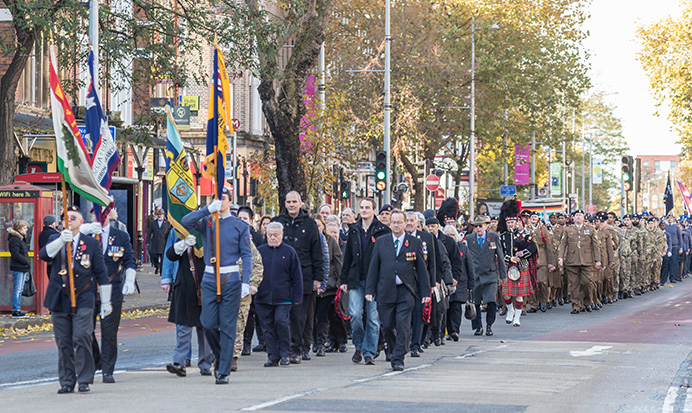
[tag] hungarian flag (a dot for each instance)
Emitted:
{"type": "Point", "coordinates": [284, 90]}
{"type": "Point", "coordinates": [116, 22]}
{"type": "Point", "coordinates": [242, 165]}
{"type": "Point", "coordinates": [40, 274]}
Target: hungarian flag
{"type": "Point", "coordinates": [668, 196]}
{"type": "Point", "coordinates": [181, 195]}
{"type": "Point", "coordinates": [686, 197]}
{"type": "Point", "coordinates": [74, 161]}
{"type": "Point", "coordinates": [217, 123]}
{"type": "Point", "coordinates": [98, 140]}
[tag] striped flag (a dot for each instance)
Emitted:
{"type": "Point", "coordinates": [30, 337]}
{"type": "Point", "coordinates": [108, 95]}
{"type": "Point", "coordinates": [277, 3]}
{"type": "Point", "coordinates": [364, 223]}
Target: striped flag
{"type": "Point", "coordinates": [181, 195]}
{"type": "Point", "coordinates": [98, 140]}
{"type": "Point", "coordinates": [217, 123]}
{"type": "Point", "coordinates": [74, 161]}
{"type": "Point", "coordinates": [686, 197]}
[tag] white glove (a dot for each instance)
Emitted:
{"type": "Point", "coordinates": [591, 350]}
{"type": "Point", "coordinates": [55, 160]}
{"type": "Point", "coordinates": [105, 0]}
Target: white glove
{"type": "Point", "coordinates": [244, 290]}
{"type": "Point", "coordinates": [66, 236]}
{"type": "Point", "coordinates": [106, 307]}
{"type": "Point", "coordinates": [90, 228]}
{"type": "Point", "coordinates": [179, 247]}
{"type": "Point", "coordinates": [215, 206]}
{"type": "Point", "coordinates": [670, 254]}
{"type": "Point", "coordinates": [53, 247]}
{"type": "Point", "coordinates": [190, 241]}
{"type": "Point", "coordinates": [129, 285]}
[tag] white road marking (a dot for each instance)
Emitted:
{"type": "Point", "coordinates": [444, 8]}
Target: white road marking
{"type": "Point", "coordinates": [391, 373]}
{"type": "Point", "coordinates": [669, 402]}
{"type": "Point", "coordinates": [688, 401]}
{"type": "Point", "coordinates": [593, 351]}
{"type": "Point", "coordinates": [37, 382]}
{"type": "Point", "coordinates": [282, 399]}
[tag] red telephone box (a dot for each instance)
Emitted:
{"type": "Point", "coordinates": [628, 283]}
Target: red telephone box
{"type": "Point", "coordinates": [29, 203]}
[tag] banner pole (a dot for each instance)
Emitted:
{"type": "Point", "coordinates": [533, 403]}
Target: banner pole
{"type": "Point", "coordinates": [73, 298]}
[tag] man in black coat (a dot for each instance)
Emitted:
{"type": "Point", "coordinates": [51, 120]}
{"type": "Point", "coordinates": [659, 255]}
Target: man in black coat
{"type": "Point", "coordinates": [121, 270]}
{"type": "Point", "coordinates": [430, 253]}
{"type": "Point", "coordinates": [156, 239]}
{"type": "Point", "coordinates": [72, 328]}
{"type": "Point", "coordinates": [461, 294]}
{"type": "Point", "coordinates": [397, 277]}
{"type": "Point", "coordinates": [300, 232]}
{"type": "Point", "coordinates": [448, 247]}
{"type": "Point", "coordinates": [49, 229]}
{"type": "Point", "coordinates": [354, 272]}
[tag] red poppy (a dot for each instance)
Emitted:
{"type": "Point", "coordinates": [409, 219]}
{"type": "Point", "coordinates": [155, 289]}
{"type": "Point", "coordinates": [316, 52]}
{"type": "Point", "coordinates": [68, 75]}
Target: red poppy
{"type": "Point", "coordinates": [406, 243]}
{"type": "Point", "coordinates": [372, 239]}
{"type": "Point", "coordinates": [83, 248]}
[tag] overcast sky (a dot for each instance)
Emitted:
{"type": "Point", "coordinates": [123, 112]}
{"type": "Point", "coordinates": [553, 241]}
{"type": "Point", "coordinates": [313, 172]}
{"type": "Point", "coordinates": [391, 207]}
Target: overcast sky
{"type": "Point", "coordinates": [615, 69]}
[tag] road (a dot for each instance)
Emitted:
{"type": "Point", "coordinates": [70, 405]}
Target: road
{"type": "Point", "coordinates": [633, 356]}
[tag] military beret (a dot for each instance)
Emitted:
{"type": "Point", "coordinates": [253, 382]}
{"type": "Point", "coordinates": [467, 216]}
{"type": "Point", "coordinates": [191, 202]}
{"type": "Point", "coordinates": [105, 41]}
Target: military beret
{"type": "Point", "coordinates": [386, 207]}
{"type": "Point", "coordinates": [627, 216]}
{"type": "Point", "coordinates": [578, 211]}
{"type": "Point", "coordinates": [651, 219]}
{"type": "Point", "coordinates": [526, 213]}
{"type": "Point", "coordinates": [74, 208]}
{"type": "Point", "coordinates": [227, 192]}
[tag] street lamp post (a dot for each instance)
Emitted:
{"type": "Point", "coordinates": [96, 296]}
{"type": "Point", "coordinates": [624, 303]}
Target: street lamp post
{"type": "Point", "coordinates": [387, 104]}
{"type": "Point", "coordinates": [472, 143]}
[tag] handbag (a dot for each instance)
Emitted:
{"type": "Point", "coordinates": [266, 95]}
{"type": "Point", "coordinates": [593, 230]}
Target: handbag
{"type": "Point", "coordinates": [29, 288]}
{"type": "Point", "coordinates": [470, 310]}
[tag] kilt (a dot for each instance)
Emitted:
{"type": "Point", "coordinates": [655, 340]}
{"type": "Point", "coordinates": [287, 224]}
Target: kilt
{"type": "Point", "coordinates": [519, 288]}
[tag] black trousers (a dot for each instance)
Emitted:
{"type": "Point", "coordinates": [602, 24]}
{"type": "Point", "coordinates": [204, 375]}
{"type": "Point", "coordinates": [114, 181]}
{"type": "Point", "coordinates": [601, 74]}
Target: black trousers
{"type": "Point", "coordinates": [322, 305]}
{"type": "Point", "coordinates": [73, 337]}
{"type": "Point", "coordinates": [106, 358]}
{"type": "Point", "coordinates": [277, 329]}
{"type": "Point", "coordinates": [396, 323]}
{"type": "Point", "coordinates": [337, 328]}
{"type": "Point", "coordinates": [417, 326]}
{"type": "Point", "coordinates": [302, 322]}
{"type": "Point", "coordinates": [454, 316]}
{"type": "Point", "coordinates": [476, 323]}
{"type": "Point", "coordinates": [252, 325]}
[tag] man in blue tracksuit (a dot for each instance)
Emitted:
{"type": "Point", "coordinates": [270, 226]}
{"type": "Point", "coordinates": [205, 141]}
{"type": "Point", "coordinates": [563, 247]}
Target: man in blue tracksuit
{"type": "Point", "coordinates": [219, 318]}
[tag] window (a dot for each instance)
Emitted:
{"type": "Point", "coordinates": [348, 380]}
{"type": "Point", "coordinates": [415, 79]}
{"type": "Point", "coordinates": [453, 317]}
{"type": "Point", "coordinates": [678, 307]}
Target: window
{"type": "Point", "coordinates": [646, 164]}
{"type": "Point", "coordinates": [657, 165]}
{"type": "Point", "coordinates": [672, 164]}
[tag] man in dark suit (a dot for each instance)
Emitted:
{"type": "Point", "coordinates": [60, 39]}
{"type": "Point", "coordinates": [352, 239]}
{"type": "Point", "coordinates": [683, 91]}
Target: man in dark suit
{"type": "Point", "coordinates": [121, 270]}
{"type": "Point", "coordinates": [396, 278]}
{"type": "Point", "coordinates": [488, 260]}
{"type": "Point", "coordinates": [72, 328]}
{"type": "Point", "coordinates": [448, 248]}
{"type": "Point", "coordinates": [156, 238]}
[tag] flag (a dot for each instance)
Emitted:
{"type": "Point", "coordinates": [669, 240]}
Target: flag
{"type": "Point", "coordinates": [73, 159]}
{"type": "Point", "coordinates": [686, 197]}
{"type": "Point", "coordinates": [98, 140]}
{"type": "Point", "coordinates": [181, 195]}
{"type": "Point", "coordinates": [218, 121]}
{"type": "Point", "coordinates": [668, 196]}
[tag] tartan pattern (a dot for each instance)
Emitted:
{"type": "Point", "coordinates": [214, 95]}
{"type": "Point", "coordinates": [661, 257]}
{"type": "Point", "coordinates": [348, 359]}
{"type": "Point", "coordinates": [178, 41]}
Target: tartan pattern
{"type": "Point", "coordinates": [519, 288]}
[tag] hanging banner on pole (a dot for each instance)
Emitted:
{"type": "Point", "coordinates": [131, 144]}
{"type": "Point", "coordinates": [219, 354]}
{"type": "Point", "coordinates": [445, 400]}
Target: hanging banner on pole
{"type": "Point", "coordinates": [522, 164]}
{"type": "Point", "coordinates": [597, 171]}
{"type": "Point", "coordinates": [556, 179]}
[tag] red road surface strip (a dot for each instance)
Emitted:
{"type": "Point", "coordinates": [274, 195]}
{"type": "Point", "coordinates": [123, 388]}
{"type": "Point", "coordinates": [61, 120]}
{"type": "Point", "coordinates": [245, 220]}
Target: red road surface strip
{"type": "Point", "coordinates": [128, 328]}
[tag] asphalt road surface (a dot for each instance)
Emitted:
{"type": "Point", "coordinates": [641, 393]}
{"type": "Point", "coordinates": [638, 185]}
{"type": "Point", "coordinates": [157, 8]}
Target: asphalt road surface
{"type": "Point", "coordinates": [633, 356]}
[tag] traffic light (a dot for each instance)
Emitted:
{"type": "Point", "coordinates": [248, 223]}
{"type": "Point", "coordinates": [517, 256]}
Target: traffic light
{"type": "Point", "coordinates": [627, 172]}
{"type": "Point", "coordinates": [345, 190]}
{"type": "Point", "coordinates": [381, 170]}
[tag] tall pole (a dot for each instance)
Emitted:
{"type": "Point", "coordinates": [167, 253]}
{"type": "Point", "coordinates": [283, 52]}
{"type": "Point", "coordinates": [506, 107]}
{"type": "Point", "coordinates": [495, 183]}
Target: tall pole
{"type": "Point", "coordinates": [533, 165]}
{"type": "Point", "coordinates": [583, 170]}
{"type": "Point", "coordinates": [563, 185]}
{"type": "Point", "coordinates": [472, 135]}
{"type": "Point", "coordinates": [591, 168]}
{"type": "Point", "coordinates": [387, 104]}
{"type": "Point", "coordinates": [94, 37]}
{"type": "Point", "coordinates": [322, 86]}
{"type": "Point", "coordinates": [550, 169]}
{"type": "Point", "coordinates": [505, 166]}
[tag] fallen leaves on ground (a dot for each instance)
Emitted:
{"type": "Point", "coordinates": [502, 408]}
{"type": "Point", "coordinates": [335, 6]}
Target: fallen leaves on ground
{"type": "Point", "coordinates": [15, 333]}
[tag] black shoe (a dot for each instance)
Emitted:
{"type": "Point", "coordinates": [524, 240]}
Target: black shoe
{"type": "Point", "coordinates": [19, 314]}
{"type": "Point", "coordinates": [306, 356]}
{"type": "Point", "coordinates": [637, 291]}
{"type": "Point", "coordinates": [108, 378]}
{"type": "Point", "coordinates": [532, 310]}
{"type": "Point", "coordinates": [574, 311]}
{"type": "Point", "coordinates": [442, 343]}
{"type": "Point", "coordinates": [188, 363]}
{"type": "Point", "coordinates": [369, 361]}
{"type": "Point", "coordinates": [357, 356]}
{"type": "Point", "coordinates": [455, 336]}
{"type": "Point", "coordinates": [65, 390]}
{"type": "Point", "coordinates": [588, 308]}
{"type": "Point", "coordinates": [560, 301]}
{"type": "Point", "coordinates": [205, 372]}
{"type": "Point", "coordinates": [542, 308]}
{"type": "Point", "coordinates": [438, 342]}
{"type": "Point", "coordinates": [320, 351]}
{"type": "Point", "coordinates": [176, 369]}
{"type": "Point", "coordinates": [294, 359]}
{"type": "Point", "coordinates": [246, 351]}
{"type": "Point", "coordinates": [387, 357]}
{"type": "Point", "coordinates": [342, 348]}
{"type": "Point", "coordinates": [549, 306]}
{"type": "Point", "coordinates": [488, 331]}
{"type": "Point", "coordinates": [222, 379]}
{"type": "Point", "coordinates": [399, 366]}
{"type": "Point", "coordinates": [259, 347]}
{"type": "Point", "coordinates": [478, 332]}
{"type": "Point", "coordinates": [503, 311]}
{"type": "Point", "coordinates": [234, 364]}
{"type": "Point", "coordinates": [285, 361]}
{"type": "Point", "coordinates": [275, 363]}
{"type": "Point", "coordinates": [415, 353]}
{"type": "Point", "coordinates": [83, 387]}
{"type": "Point", "coordinates": [673, 281]}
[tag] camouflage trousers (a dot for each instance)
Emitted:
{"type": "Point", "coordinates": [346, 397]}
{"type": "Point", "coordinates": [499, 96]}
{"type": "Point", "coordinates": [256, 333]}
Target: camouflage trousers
{"type": "Point", "coordinates": [242, 321]}
{"type": "Point", "coordinates": [648, 278]}
{"type": "Point", "coordinates": [637, 272]}
{"type": "Point", "coordinates": [626, 274]}
{"type": "Point", "coordinates": [657, 270]}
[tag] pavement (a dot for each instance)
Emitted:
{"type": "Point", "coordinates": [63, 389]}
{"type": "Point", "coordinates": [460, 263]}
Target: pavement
{"type": "Point", "coordinates": [150, 296]}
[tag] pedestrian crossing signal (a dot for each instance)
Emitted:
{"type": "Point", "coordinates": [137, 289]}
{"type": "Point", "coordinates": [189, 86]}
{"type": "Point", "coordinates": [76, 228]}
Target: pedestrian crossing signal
{"type": "Point", "coordinates": [345, 190]}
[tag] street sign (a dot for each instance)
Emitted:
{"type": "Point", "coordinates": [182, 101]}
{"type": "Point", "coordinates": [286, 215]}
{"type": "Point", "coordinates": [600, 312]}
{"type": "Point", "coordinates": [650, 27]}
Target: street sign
{"type": "Point", "coordinates": [235, 123]}
{"type": "Point", "coordinates": [508, 190]}
{"type": "Point", "coordinates": [591, 209]}
{"type": "Point", "coordinates": [364, 166]}
{"type": "Point", "coordinates": [543, 192]}
{"type": "Point", "coordinates": [82, 131]}
{"type": "Point", "coordinates": [432, 182]}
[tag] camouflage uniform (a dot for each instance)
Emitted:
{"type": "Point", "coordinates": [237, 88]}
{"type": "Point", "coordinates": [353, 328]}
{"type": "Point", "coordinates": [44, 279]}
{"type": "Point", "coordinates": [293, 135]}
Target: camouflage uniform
{"type": "Point", "coordinates": [661, 249]}
{"type": "Point", "coordinates": [627, 250]}
{"type": "Point", "coordinates": [638, 257]}
{"type": "Point", "coordinates": [650, 245]}
{"type": "Point", "coordinates": [616, 234]}
{"type": "Point", "coordinates": [255, 280]}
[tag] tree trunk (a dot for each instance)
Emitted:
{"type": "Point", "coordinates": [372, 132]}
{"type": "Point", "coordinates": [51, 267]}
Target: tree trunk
{"type": "Point", "coordinates": [417, 188]}
{"type": "Point", "coordinates": [8, 89]}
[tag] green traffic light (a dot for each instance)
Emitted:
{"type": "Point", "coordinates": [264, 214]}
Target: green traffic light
{"type": "Point", "coordinates": [626, 177]}
{"type": "Point", "coordinates": [380, 175]}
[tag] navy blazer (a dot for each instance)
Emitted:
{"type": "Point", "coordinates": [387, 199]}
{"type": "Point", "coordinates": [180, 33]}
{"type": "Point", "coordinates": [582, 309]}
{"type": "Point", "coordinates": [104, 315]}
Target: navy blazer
{"type": "Point", "coordinates": [89, 269]}
{"type": "Point", "coordinates": [409, 265]}
{"type": "Point", "coordinates": [119, 251]}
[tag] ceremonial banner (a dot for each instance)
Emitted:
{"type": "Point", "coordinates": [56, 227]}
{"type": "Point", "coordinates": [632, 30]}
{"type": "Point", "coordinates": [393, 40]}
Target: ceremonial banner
{"type": "Point", "coordinates": [522, 164]}
{"type": "Point", "coordinates": [556, 179]}
{"type": "Point", "coordinates": [686, 197]}
{"type": "Point", "coordinates": [596, 171]}
{"type": "Point", "coordinates": [74, 161]}
{"type": "Point", "coordinates": [668, 196]}
{"type": "Point", "coordinates": [181, 195]}
{"type": "Point", "coordinates": [219, 115]}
